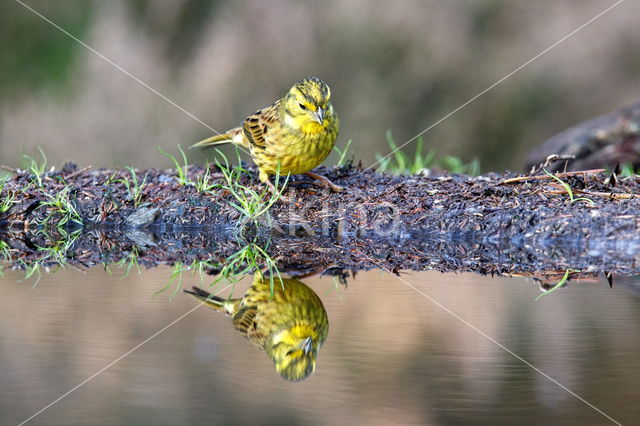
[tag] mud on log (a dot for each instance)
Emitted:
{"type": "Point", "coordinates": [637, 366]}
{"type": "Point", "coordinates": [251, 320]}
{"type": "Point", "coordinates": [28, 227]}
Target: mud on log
{"type": "Point", "coordinates": [496, 223]}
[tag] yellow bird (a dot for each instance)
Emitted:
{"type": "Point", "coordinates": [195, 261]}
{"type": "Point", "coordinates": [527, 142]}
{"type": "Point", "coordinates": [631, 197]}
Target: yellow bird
{"type": "Point", "coordinates": [290, 325]}
{"type": "Point", "coordinates": [293, 135]}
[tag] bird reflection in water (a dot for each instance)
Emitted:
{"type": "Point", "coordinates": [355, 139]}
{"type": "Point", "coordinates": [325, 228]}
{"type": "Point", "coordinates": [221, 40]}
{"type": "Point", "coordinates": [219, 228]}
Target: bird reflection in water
{"type": "Point", "coordinates": [290, 325]}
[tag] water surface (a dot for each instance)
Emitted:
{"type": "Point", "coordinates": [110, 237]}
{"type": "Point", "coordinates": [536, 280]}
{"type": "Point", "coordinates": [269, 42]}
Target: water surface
{"type": "Point", "coordinates": [392, 356]}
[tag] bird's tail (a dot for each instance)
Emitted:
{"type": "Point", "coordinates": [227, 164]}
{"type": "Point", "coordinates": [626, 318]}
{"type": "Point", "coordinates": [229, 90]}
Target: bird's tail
{"type": "Point", "coordinates": [231, 136]}
{"type": "Point", "coordinates": [227, 306]}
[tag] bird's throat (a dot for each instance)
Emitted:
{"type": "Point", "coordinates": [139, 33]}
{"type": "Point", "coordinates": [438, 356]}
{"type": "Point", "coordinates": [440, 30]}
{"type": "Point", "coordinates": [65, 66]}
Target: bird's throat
{"type": "Point", "coordinates": [312, 128]}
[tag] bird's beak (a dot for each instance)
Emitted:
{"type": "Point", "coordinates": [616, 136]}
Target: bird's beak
{"type": "Point", "coordinates": [307, 345]}
{"type": "Point", "coordinates": [318, 115]}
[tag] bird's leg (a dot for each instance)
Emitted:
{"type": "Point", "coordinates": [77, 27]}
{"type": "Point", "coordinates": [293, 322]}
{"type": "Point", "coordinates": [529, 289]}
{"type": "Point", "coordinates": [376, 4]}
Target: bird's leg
{"type": "Point", "coordinates": [270, 186]}
{"type": "Point", "coordinates": [324, 182]}
{"type": "Point", "coordinates": [264, 178]}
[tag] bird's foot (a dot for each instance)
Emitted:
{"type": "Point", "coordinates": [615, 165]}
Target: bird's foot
{"type": "Point", "coordinates": [273, 190]}
{"type": "Point", "coordinates": [324, 182]}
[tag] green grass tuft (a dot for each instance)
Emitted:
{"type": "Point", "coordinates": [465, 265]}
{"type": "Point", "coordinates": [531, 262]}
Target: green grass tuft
{"type": "Point", "coordinates": [60, 204]}
{"type": "Point", "coordinates": [181, 169]}
{"type": "Point", "coordinates": [176, 275]}
{"type": "Point", "coordinates": [5, 256]}
{"type": "Point", "coordinates": [627, 170]}
{"type": "Point", "coordinates": [251, 204]}
{"type": "Point", "coordinates": [560, 283]}
{"type": "Point", "coordinates": [128, 263]}
{"type": "Point", "coordinates": [251, 258]}
{"type": "Point", "coordinates": [32, 270]}
{"type": "Point", "coordinates": [400, 163]}
{"type": "Point", "coordinates": [343, 154]}
{"type": "Point", "coordinates": [134, 187]}
{"type": "Point", "coordinates": [198, 267]}
{"type": "Point", "coordinates": [567, 188]}
{"type": "Point", "coordinates": [58, 249]}
{"type": "Point", "coordinates": [6, 200]}
{"type": "Point", "coordinates": [203, 184]}
{"type": "Point", "coordinates": [37, 169]}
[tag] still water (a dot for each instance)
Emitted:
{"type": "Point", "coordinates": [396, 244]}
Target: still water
{"type": "Point", "coordinates": [392, 356]}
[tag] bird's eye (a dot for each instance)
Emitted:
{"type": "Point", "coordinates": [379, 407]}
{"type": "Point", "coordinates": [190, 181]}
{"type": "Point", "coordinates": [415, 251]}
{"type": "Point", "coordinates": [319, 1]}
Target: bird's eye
{"type": "Point", "coordinates": [302, 107]}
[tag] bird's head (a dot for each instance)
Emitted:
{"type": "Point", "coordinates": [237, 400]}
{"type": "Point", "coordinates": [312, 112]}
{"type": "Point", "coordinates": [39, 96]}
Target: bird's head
{"type": "Point", "coordinates": [307, 106]}
{"type": "Point", "coordinates": [294, 353]}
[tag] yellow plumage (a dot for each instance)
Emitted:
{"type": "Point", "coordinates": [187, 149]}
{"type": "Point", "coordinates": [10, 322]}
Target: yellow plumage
{"type": "Point", "coordinates": [290, 325]}
{"type": "Point", "coordinates": [293, 135]}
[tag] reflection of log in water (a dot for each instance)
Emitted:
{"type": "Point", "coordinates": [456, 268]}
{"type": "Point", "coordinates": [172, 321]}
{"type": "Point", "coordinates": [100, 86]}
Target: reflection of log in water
{"type": "Point", "coordinates": [459, 252]}
{"type": "Point", "coordinates": [287, 321]}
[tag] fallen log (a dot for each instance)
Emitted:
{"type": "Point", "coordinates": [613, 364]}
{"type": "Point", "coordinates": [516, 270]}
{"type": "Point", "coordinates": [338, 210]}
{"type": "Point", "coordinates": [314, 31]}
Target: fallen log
{"type": "Point", "coordinates": [496, 223]}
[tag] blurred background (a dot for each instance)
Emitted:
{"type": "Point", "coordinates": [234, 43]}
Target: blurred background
{"type": "Point", "coordinates": [392, 65]}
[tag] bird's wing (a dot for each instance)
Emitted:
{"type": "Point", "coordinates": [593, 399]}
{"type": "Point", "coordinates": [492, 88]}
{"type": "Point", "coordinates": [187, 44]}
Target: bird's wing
{"type": "Point", "coordinates": [244, 322]}
{"type": "Point", "coordinates": [258, 124]}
